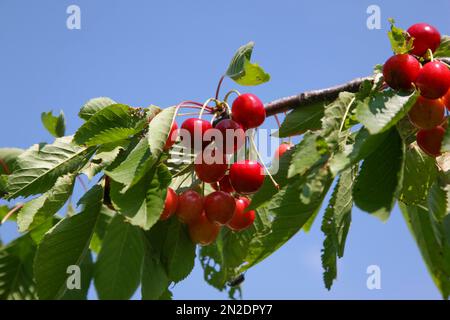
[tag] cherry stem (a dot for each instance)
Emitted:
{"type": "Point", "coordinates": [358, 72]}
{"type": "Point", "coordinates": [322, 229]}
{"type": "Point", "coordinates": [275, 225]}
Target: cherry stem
{"type": "Point", "coordinates": [276, 185]}
{"type": "Point", "coordinates": [230, 93]}
{"type": "Point", "coordinates": [277, 120]}
{"type": "Point", "coordinates": [218, 86]}
{"type": "Point", "coordinates": [4, 166]}
{"type": "Point", "coordinates": [10, 213]}
{"type": "Point", "coordinates": [188, 114]}
{"type": "Point", "coordinates": [205, 106]}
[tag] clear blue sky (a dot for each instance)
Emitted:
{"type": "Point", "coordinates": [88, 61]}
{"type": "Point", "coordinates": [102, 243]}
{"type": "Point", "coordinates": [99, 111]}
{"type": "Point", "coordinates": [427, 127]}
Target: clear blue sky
{"type": "Point", "coordinates": [161, 52]}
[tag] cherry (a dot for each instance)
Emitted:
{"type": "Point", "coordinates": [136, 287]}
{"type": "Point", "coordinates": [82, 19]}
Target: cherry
{"type": "Point", "coordinates": [427, 113]}
{"type": "Point", "coordinates": [430, 140]}
{"type": "Point", "coordinates": [446, 100]}
{"type": "Point", "coordinates": [233, 135]}
{"type": "Point", "coordinates": [210, 168]}
{"type": "Point", "coordinates": [225, 184]}
{"type": "Point", "coordinates": [170, 204]}
{"type": "Point", "coordinates": [203, 231]}
{"type": "Point", "coordinates": [172, 136]}
{"type": "Point", "coordinates": [241, 220]}
{"type": "Point", "coordinates": [219, 207]}
{"type": "Point", "coordinates": [433, 80]}
{"type": "Point", "coordinates": [425, 37]}
{"type": "Point", "coordinates": [196, 129]}
{"type": "Point", "coordinates": [190, 206]}
{"type": "Point", "coordinates": [248, 110]}
{"type": "Point", "coordinates": [282, 148]}
{"type": "Point", "coordinates": [246, 176]}
{"type": "Point", "coordinates": [400, 71]}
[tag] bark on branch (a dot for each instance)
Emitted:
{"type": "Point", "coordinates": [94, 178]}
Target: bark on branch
{"type": "Point", "coordinates": [322, 95]}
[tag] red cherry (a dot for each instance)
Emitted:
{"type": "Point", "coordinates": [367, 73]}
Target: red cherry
{"type": "Point", "coordinates": [190, 206]}
{"type": "Point", "coordinates": [233, 136]}
{"type": "Point", "coordinates": [433, 80]}
{"type": "Point", "coordinates": [446, 100]}
{"type": "Point", "coordinates": [425, 37]}
{"type": "Point", "coordinates": [210, 168]}
{"type": "Point", "coordinates": [247, 176]}
{"type": "Point", "coordinates": [241, 220]}
{"type": "Point", "coordinates": [172, 136]}
{"type": "Point", "coordinates": [282, 148]}
{"type": "Point", "coordinates": [203, 231]}
{"type": "Point", "coordinates": [430, 140]}
{"type": "Point", "coordinates": [248, 110]}
{"type": "Point", "coordinates": [225, 184]}
{"type": "Point", "coordinates": [426, 113]}
{"type": "Point", "coordinates": [170, 204]}
{"type": "Point", "coordinates": [219, 207]}
{"type": "Point", "coordinates": [400, 71]}
{"type": "Point", "coordinates": [196, 129]}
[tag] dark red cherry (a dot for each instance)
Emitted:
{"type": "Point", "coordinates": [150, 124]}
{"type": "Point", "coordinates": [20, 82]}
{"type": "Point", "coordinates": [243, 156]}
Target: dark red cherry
{"type": "Point", "coordinates": [246, 176]}
{"type": "Point", "coordinates": [282, 148]}
{"type": "Point", "coordinates": [196, 128]}
{"type": "Point", "coordinates": [210, 167]}
{"type": "Point", "coordinates": [433, 80]}
{"type": "Point", "coordinates": [430, 140]}
{"type": "Point", "coordinates": [400, 71]}
{"type": "Point", "coordinates": [233, 136]}
{"type": "Point", "coordinates": [241, 219]}
{"type": "Point", "coordinates": [219, 207]}
{"type": "Point", "coordinates": [248, 110]}
{"type": "Point", "coordinates": [427, 113]}
{"type": "Point", "coordinates": [190, 206]}
{"type": "Point", "coordinates": [425, 37]}
{"type": "Point", "coordinates": [225, 184]}
{"type": "Point", "coordinates": [170, 204]}
{"type": "Point", "coordinates": [202, 231]}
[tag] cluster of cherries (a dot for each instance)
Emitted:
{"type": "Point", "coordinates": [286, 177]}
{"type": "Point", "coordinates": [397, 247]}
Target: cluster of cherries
{"type": "Point", "coordinates": [418, 69]}
{"type": "Point", "coordinates": [226, 206]}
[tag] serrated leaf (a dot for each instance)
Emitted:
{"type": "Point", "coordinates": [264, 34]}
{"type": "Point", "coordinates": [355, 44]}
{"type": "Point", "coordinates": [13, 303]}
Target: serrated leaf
{"type": "Point", "coordinates": [159, 129]}
{"type": "Point", "coordinates": [418, 175]}
{"type": "Point", "coordinates": [401, 42]}
{"type": "Point", "coordinates": [106, 154]}
{"type": "Point", "coordinates": [8, 159]}
{"type": "Point", "coordinates": [335, 225]}
{"type": "Point", "coordinates": [154, 277]}
{"type": "Point", "coordinates": [113, 123]}
{"type": "Point", "coordinates": [40, 209]}
{"type": "Point", "coordinates": [243, 71]}
{"type": "Point", "coordinates": [439, 199]}
{"type": "Point", "coordinates": [38, 168]}
{"type": "Point", "coordinates": [143, 203]}
{"type": "Point", "coordinates": [66, 244]}
{"type": "Point", "coordinates": [118, 267]}
{"type": "Point", "coordinates": [16, 270]}
{"type": "Point", "coordinates": [383, 110]}
{"type": "Point", "coordinates": [93, 106]}
{"type": "Point", "coordinates": [443, 50]}
{"type": "Point", "coordinates": [380, 177]}
{"type": "Point", "coordinates": [301, 119]}
{"type": "Point", "coordinates": [103, 222]}
{"type": "Point", "coordinates": [55, 125]}
{"type": "Point", "coordinates": [86, 272]}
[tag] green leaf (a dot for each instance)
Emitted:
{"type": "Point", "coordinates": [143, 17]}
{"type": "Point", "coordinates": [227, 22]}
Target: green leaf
{"type": "Point", "coordinates": [383, 110]}
{"type": "Point", "coordinates": [143, 203]}
{"type": "Point", "coordinates": [93, 106]}
{"type": "Point", "coordinates": [55, 125]}
{"type": "Point", "coordinates": [243, 71]}
{"type": "Point", "coordinates": [66, 244]}
{"type": "Point", "coordinates": [39, 210]}
{"type": "Point", "coordinates": [16, 270]}
{"type": "Point", "coordinates": [118, 267]}
{"type": "Point", "coordinates": [301, 119]}
{"type": "Point", "coordinates": [439, 199]}
{"type": "Point", "coordinates": [445, 147]}
{"type": "Point", "coordinates": [38, 168]}
{"type": "Point", "coordinates": [419, 173]}
{"type": "Point", "coordinates": [159, 129]}
{"type": "Point", "coordinates": [8, 159]}
{"type": "Point", "coordinates": [435, 250]}
{"type": "Point", "coordinates": [380, 178]}
{"type": "Point", "coordinates": [113, 123]}
{"type": "Point", "coordinates": [401, 42]}
{"type": "Point", "coordinates": [87, 270]}
{"type": "Point", "coordinates": [105, 156]}
{"type": "Point", "coordinates": [444, 48]}
{"type": "Point", "coordinates": [335, 225]}
{"type": "Point", "coordinates": [103, 222]}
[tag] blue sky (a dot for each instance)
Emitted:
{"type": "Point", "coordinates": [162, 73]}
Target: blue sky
{"type": "Point", "coordinates": [162, 52]}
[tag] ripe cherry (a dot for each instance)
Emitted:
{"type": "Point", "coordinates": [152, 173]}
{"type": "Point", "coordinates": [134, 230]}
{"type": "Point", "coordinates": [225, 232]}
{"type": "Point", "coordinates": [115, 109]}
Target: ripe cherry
{"type": "Point", "coordinates": [170, 204]}
{"type": "Point", "coordinates": [430, 140]}
{"type": "Point", "coordinates": [282, 148]}
{"type": "Point", "coordinates": [248, 110]}
{"type": "Point", "coordinates": [400, 71]}
{"type": "Point", "coordinates": [203, 231]}
{"type": "Point", "coordinates": [241, 219]}
{"type": "Point", "coordinates": [196, 129]}
{"type": "Point", "coordinates": [172, 136]}
{"type": "Point", "coordinates": [210, 168]}
{"type": "Point", "coordinates": [190, 206]}
{"type": "Point", "coordinates": [246, 176]}
{"type": "Point", "coordinates": [433, 80]}
{"type": "Point", "coordinates": [225, 184]}
{"type": "Point", "coordinates": [219, 207]}
{"type": "Point", "coordinates": [427, 113]}
{"type": "Point", "coordinates": [233, 136]}
{"type": "Point", "coordinates": [425, 37]}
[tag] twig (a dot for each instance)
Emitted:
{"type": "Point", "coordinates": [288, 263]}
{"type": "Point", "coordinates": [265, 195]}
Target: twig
{"type": "Point", "coordinates": [5, 166]}
{"type": "Point", "coordinates": [10, 213]}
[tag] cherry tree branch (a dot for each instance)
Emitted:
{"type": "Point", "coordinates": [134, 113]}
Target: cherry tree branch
{"type": "Point", "coordinates": [321, 95]}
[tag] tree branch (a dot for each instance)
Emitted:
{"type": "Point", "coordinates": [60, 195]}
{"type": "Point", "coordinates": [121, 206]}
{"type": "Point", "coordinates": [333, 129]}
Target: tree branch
{"type": "Point", "coordinates": [322, 95]}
